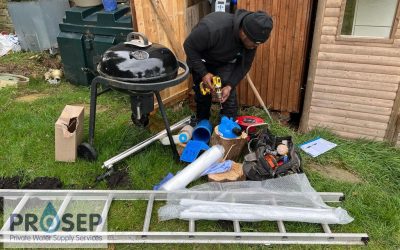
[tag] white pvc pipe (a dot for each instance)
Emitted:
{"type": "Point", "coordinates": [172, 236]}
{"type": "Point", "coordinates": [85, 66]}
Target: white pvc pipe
{"type": "Point", "coordinates": [209, 210]}
{"type": "Point", "coordinates": [194, 170]}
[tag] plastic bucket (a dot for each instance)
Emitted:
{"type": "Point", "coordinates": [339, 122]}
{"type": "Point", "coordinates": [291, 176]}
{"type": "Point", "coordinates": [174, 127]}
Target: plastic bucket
{"type": "Point", "coordinates": [109, 5]}
{"type": "Point", "coordinates": [202, 132]}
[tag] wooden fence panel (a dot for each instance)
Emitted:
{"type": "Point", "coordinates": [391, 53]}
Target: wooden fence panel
{"type": "Point", "coordinates": [183, 15]}
{"type": "Point", "coordinates": [278, 68]}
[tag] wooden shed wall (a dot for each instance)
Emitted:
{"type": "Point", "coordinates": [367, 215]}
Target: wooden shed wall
{"type": "Point", "coordinates": [278, 68]}
{"type": "Point", "coordinates": [353, 85]}
{"type": "Point", "coordinates": [183, 15]}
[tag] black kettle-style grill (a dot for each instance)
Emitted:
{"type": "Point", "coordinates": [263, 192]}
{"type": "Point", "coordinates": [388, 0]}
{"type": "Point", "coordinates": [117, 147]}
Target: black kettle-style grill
{"type": "Point", "coordinates": [140, 69]}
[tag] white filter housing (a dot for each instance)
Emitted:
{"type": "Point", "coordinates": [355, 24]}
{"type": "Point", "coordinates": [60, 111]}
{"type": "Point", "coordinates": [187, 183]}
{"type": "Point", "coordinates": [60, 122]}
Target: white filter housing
{"type": "Point", "coordinates": [194, 170]}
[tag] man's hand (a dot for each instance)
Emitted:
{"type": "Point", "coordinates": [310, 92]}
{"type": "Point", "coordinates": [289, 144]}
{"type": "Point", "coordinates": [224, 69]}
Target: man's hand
{"type": "Point", "coordinates": [226, 91]}
{"type": "Point", "coordinates": [207, 79]}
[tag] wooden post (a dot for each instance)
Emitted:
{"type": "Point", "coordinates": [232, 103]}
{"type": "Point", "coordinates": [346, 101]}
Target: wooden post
{"type": "Point", "coordinates": [313, 66]}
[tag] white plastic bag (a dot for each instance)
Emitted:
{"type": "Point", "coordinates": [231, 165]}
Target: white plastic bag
{"type": "Point", "coordinates": [8, 43]}
{"type": "Point", "coordinates": [289, 198]}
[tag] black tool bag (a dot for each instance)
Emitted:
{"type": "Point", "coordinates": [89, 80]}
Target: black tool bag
{"type": "Point", "coordinates": [262, 161]}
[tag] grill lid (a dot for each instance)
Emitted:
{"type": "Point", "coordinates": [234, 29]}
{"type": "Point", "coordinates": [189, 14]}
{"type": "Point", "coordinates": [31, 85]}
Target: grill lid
{"type": "Point", "coordinates": [139, 61]}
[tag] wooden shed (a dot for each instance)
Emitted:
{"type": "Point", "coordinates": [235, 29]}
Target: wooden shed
{"type": "Point", "coordinates": [354, 75]}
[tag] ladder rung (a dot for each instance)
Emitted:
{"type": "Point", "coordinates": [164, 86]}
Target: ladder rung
{"type": "Point", "coordinates": [149, 210]}
{"type": "Point", "coordinates": [281, 226]}
{"type": "Point", "coordinates": [104, 213]}
{"type": "Point", "coordinates": [236, 226]}
{"type": "Point", "coordinates": [17, 210]}
{"type": "Point", "coordinates": [60, 212]}
{"type": "Point", "coordinates": [326, 228]}
{"type": "Point", "coordinates": [192, 226]}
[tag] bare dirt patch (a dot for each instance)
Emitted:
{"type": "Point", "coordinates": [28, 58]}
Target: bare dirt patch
{"type": "Point", "coordinates": [31, 66]}
{"type": "Point", "coordinates": [336, 173]}
{"type": "Point", "coordinates": [30, 98]}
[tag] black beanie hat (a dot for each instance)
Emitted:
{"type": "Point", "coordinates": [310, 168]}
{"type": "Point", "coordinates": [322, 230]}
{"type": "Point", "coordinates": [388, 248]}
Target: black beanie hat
{"type": "Point", "coordinates": [257, 26]}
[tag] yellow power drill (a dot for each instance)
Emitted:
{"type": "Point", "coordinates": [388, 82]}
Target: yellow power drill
{"type": "Point", "coordinates": [217, 84]}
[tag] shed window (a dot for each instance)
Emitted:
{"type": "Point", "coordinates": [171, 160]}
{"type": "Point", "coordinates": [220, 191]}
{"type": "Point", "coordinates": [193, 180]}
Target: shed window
{"type": "Point", "coordinates": [369, 18]}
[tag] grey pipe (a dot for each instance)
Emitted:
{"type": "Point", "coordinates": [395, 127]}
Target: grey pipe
{"type": "Point", "coordinates": [109, 163]}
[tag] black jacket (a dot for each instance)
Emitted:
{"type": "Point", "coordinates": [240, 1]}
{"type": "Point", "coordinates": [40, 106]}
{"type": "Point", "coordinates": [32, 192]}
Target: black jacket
{"type": "Point", "coordinates": [215, 39]}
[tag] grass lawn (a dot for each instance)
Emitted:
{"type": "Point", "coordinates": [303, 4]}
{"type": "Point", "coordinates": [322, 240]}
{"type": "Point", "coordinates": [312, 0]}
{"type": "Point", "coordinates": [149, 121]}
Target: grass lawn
{"type": "Point", "coordinates": [367, 172]}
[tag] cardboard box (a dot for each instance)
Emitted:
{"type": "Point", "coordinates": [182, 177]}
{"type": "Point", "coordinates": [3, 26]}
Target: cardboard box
{"type": "Point", "coordinates": [68, 133]}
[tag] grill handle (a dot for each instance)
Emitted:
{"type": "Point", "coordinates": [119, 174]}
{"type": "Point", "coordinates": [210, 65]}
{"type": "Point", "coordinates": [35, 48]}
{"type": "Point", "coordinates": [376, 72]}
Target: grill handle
{"type": "Point", "coordinates": [131, 36]}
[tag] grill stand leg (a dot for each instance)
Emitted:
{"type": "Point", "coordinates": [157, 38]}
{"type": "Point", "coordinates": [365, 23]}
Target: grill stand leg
{"type": "Point", "coordinates": [86, 150]}
{"type": "Point", "coordinates": [164, 116]}
{"type": "Point", "coordinates": [92, 116]}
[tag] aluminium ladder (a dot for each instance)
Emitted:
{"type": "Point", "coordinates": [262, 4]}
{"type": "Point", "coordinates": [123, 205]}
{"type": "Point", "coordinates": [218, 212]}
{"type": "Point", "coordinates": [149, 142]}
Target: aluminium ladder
{"type": "Point", "coordinates": [191, 236]}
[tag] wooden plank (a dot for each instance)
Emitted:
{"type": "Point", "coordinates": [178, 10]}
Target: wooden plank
{"type": "Point", "coordinates": [356, 136]}
{"type": "Point", "coordinates": [348, 121]}
{"type": "Point", "coordinates": [168, 28]}
{"type": "Point", "coordinates": [253, 71]}
{"type": "Point", "coordinates": [304, 41]}
{"type": "Point", "coordinates": [139, 14]}
{"type": "Point", "coordinates": [292, 9]}
{"type": "Point", "coordinates": [341, 17]}
{"type": "Point", "coordinates": [397, 34]}
{"type": "Point", "coordinates": [357, 67]}
{"type": "Point", "coordinates": [328, 39]}
{"type": "Point", "coordinates": [266, 60]}
{"type": "Point", "coordinates": [355, 92]}
{"type": "Point", "coordinates": [350, 83]}
{"type": "Point", "coordinates": [353, 99]}
{"type": "Point", "coordinates": [330, 21]}
{"type": "Point", "coordinates": [370, 109]}
{"type": "Point", "coordinates": [360, 59]}
{"type": "Point", "coordinates": [257, 5]}
{"type": "Point", "coordinates": [362, 131]}
{"type": "Point", "coordinates": [192, 17]}
{"type": "Point", "coordinates": [332, 12]}
{"type": "Point", "coordinates": [367, 42]}
{"type": "Point", "coordinates": [134, 18]}
{"type": "Point", "coordinates": [360, 50]}
{"type": "Point", "coordinates": [298, 56]}
{"type": "Point", "coordinates": [282, 26]}
{"type": "Point", "coordinates": [273, 55]}
{"type": "Point", "coordinates": [345, 74]}
{"type": "Point", "coordinates": [333, 3]}
{"type": "Point", "coordinates": [329, 30]}
{"type": "Point", "coordinates": [243, 85]}
{"type": "Point", "coordinates": [396, 20]}
{"type": "Point", "coordinates": [350, 114]}
{"type": "Point", "coordinates": [304, 121]}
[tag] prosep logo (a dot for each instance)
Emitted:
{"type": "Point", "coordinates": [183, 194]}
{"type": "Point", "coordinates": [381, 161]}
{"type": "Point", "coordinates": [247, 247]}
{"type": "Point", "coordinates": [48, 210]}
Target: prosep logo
{"type": "Point", "coordinates": [50, 222]}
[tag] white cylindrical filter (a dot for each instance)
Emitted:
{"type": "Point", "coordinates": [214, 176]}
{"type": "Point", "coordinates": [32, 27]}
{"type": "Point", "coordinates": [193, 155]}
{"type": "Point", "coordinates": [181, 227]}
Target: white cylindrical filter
{"type": "Point", "coordinates": [185, 134]}
{"type": "Point", "coordinates": [194, 170]}
{"type": "Point", "coordinates": [165, 140]}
